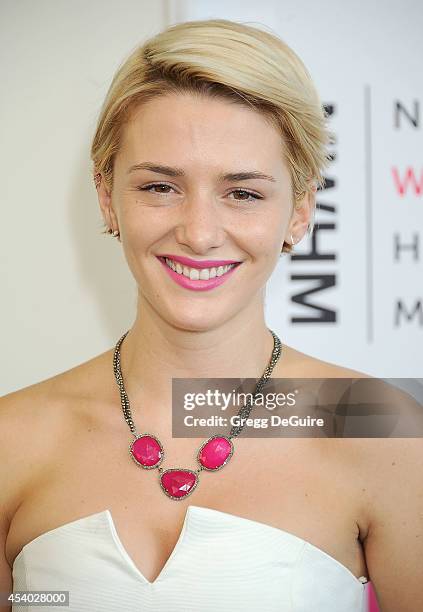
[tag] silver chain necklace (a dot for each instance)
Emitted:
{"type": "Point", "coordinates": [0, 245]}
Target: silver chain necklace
{"type": "Point", "coordinates": [147, 451]}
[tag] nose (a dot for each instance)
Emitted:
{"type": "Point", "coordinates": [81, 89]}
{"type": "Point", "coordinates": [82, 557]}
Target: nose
{"type": "Point", "coordinates": [200, 225]}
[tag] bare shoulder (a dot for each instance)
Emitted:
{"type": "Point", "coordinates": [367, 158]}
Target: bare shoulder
{"type": "Point", "coordinates": [297, 364]}
{"type": "Point", "coordinates": [373, 453]}
{"type": "Point", "coordinates": [29, 421]}
{"type": "Point", "coordinates": [405, 410]}
{"type": "Point", "coordinates": [34, 422]}
{"type": "Point", "coordinates": [29, 410]}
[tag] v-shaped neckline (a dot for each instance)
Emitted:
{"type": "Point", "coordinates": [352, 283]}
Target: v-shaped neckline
{"type": "Point", "coordinates": [127, 556]}
{"type": "Point", "coordinates": [190, 508]}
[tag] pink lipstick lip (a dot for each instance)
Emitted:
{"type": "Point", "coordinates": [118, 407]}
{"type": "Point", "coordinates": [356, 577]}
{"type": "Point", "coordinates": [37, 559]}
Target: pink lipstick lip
{"type": "Point", "coordinates": [197, 285]}
{"type": "Point", "coordinates": [194, 263]}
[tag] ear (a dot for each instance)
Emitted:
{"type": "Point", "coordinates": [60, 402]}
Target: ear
{"type": "Point", "coordinates": [105, 202]}
{"type": "Point", "coordinates": [301, 216]}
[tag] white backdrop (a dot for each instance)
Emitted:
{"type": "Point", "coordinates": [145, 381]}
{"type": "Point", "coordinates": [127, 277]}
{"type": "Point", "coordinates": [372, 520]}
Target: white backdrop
{"type": "Point", "coordinates": [66, 291]}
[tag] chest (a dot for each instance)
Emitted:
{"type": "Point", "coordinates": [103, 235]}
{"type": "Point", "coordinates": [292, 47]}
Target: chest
{"type": "Point", "coordinates": [291, 485]}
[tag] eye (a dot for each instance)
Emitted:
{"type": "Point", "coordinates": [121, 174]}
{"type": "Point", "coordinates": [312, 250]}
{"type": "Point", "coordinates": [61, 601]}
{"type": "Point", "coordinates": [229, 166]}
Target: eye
{"type": "Point", "coordinates": [150, 187]}
{"type": "Point", "coordinates": [252, 196]}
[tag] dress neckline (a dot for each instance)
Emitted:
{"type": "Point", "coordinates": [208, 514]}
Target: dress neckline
{"type": "Point", "coordinates": [190, 510]}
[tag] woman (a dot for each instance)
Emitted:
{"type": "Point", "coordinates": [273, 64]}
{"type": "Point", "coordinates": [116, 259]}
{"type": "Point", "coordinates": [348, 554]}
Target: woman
{"type": "Point", "coordinates": [207, 155]}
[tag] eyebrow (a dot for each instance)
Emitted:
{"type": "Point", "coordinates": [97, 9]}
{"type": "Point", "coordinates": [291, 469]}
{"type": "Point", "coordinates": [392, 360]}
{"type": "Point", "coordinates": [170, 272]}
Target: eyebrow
{"type": "Point", "coordinates": [228, 176]}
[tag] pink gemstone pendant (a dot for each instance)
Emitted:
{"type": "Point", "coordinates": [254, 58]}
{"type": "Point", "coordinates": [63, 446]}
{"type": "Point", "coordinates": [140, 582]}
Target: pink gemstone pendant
{"type": "Point", "coordinates": [147, 451]}
{"type": "Point", "coordinates": [215, 453]}
{"type": "Point", "coordinates": [177, 483]}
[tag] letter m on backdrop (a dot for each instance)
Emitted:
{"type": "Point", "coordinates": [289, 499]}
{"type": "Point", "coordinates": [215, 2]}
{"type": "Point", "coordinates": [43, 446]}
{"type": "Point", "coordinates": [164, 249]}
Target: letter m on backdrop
{"type": "Point", "coordinates": [321, 314]}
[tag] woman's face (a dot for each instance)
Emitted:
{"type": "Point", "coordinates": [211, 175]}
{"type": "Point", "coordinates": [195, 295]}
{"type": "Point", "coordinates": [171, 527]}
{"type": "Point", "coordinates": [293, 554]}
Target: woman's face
{"type": "Point", "coordinates": [189, 208]}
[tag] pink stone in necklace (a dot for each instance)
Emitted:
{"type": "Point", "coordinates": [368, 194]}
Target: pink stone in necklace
{"type": "Point", "coordinates": [147, 451]}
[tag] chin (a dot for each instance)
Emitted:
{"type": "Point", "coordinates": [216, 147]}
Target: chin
{"type": "Point", "coordinates": [196, 319]}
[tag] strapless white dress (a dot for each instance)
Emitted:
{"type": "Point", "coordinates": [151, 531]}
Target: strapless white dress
{"type": "Point", "coordinates": [220, 562]}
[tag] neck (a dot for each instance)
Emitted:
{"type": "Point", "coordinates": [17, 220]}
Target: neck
{"type": "Point", "coordinates": [155, 351]}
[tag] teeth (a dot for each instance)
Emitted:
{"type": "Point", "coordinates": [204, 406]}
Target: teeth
{"type": "Point", "coordinates": [195, 273]}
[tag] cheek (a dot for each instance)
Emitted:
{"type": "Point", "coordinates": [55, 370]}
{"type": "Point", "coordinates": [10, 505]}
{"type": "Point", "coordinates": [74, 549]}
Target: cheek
{"type": "Point", "coordinates": [143, 226]}
{"type": "Point", "coordinates": [264, 234]}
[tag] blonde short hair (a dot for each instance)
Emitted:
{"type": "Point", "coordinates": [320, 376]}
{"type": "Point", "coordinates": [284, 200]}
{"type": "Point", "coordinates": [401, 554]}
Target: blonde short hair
{"type": "Point", "coordinates": [229, 60]}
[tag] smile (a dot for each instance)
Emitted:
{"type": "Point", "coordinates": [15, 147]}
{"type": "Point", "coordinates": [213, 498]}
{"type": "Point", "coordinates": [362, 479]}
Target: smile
{"type": "Point", "coordinates": [195, 273]}
{"type": "Point", "coordinates": [197, 279]}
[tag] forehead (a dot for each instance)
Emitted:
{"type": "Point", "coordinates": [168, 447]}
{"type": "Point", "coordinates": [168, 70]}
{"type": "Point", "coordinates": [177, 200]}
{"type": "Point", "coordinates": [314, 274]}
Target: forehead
{"type": "Point", "coordinates": [180, 128]}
